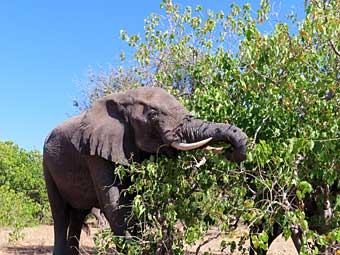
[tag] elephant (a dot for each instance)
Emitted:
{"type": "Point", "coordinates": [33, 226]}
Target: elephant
{"type": "Point", "coordinates": [81, 153]}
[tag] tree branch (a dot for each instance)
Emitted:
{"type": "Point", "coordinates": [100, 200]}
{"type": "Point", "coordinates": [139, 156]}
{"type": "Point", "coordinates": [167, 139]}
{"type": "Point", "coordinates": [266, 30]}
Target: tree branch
{"type": "Point", "coordinates": [257, 131]}
{"type": "Point", "coordinates": [333, 48]}
{"type": "Point", "coordinates": [207, 241]}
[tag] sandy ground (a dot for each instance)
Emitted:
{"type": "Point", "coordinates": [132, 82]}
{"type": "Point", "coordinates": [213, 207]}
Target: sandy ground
{"type": "Point", "coordinates": [39, 241]}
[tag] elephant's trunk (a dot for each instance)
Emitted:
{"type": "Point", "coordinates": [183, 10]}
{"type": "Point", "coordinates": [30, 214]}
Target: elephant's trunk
{"type": "Point", "coordinates": [194, 130]}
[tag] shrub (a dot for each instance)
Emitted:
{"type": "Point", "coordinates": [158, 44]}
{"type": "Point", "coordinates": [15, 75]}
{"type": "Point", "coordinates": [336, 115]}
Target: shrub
{"type": "Point", "coordinates": [17, 211]}
{"type": "Point", "coordinates": [23, 197]}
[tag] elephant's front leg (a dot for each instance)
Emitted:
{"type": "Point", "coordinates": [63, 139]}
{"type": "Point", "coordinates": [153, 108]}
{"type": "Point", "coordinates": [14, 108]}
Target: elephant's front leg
{"type": "Point", "coordinates": [108, 193]}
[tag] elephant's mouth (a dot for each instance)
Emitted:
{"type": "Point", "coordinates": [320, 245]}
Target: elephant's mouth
{"type": "Point", "coordinates": [175, 140]}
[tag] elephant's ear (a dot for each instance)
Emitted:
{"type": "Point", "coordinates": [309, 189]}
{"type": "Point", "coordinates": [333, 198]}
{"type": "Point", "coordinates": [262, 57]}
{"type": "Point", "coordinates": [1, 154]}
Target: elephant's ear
{"type": "Point", "coordinates": [104, 131]}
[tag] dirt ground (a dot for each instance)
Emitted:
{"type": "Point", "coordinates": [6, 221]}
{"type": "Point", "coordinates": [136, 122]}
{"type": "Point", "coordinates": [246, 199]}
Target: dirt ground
{"type": "Point", "coordinates": [39, 241]}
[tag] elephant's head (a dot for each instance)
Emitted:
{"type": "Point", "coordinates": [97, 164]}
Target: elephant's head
{"type": "Point", "coordinates": [121, 125]}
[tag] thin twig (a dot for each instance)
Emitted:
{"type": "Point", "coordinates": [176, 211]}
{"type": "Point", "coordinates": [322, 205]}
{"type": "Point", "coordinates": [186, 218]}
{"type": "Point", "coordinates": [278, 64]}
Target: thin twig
{"type": "Point", "coordinates": [333, 48]}
{"type": "Point", "coordinates": [327, 140]}
{"type": "Point", "coordinates": [207, 241]}
{"type": "Point", "coordinates": [257, 131]}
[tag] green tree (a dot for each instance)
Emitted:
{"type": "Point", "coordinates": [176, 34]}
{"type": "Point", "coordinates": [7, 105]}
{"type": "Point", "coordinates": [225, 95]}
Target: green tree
{"type": "Point", "coordinates": [23, 197]}
{"type": "Point", "coordinates": [281, 88]}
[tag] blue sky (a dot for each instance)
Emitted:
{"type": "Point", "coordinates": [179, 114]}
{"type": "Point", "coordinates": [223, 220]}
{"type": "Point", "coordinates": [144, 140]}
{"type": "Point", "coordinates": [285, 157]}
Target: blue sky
{"type": "Point", "coordinates": [46, 47]}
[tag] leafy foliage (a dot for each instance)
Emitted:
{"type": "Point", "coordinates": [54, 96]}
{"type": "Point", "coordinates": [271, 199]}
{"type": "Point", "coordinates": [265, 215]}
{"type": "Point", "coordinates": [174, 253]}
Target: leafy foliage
{"type": "Point", "coordinates": [281, 88]}
{"type": "Point", "coordinates": [17, 211]}
{"type": "Point", "coordinates": [23, 198]}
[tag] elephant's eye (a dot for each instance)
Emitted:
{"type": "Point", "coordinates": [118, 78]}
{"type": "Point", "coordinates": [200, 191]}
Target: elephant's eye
{"type": "Point", "coordinates": [152, 115]}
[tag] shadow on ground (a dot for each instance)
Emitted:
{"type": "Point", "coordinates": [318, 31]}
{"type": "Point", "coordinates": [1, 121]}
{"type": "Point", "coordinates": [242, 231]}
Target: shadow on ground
{"type": "Point", "coordinates": [41, 250]}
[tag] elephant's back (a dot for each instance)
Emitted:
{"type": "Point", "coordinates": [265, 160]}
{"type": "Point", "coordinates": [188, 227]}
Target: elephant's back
{"type": "Point", "coordinates": [67, 166]}
{"type": "Point", "coordinates": [58, 143]}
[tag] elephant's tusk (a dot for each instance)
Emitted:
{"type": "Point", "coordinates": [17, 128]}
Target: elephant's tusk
{"type": "Point", "coordinates": [190, 146]}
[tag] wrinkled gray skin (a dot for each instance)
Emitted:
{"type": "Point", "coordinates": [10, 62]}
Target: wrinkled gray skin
{"type": "Point", "coordinates": [81, 153]}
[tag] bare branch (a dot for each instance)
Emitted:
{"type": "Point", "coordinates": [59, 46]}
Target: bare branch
{"type": "Point", "coordinates": [334, 48]}
{"type": "Point", "coordinates": [326, 140]}
{"type": "Point", "coordinates": [207, 241]}
{"type": "Point", "coordinates": [257, 131]}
